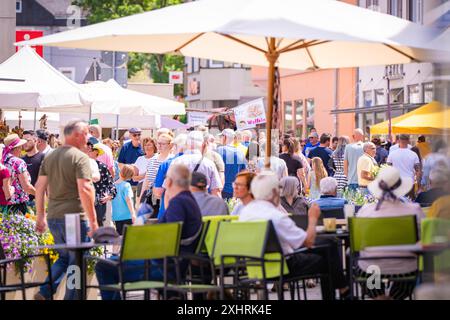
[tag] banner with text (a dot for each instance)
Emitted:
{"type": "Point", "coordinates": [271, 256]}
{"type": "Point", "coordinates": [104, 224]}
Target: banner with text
{"type": "Point", "coordinates": [249, 114]}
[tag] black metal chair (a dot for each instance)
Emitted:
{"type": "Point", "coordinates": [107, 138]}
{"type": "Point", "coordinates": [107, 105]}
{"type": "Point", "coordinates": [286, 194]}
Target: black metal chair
{"type": "Point", "coordinates": [19, 263]}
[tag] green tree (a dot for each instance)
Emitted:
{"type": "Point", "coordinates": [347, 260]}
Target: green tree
{"type": "Point", "coordinates": [158, 64]}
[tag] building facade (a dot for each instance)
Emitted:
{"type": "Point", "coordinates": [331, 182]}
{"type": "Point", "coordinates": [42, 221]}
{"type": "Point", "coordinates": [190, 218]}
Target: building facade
{"type": "Point", "coordinates": [52, 16]}
{"type": "Point", "coordinates": [403, 87]}
{"type": "Point", "coordinates": [211, 84]}
{"type": "Point", "coordinates": [7, 27]}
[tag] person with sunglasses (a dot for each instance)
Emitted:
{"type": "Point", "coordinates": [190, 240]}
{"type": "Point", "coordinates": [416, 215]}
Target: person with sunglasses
{"type": "Point", "coordinates": [131, 150]}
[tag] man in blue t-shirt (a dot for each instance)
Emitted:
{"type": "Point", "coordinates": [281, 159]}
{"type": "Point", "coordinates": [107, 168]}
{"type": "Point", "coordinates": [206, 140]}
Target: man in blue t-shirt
{"type": "Point", "coordinates": [131, 150]}
{"type": "Point", "coordinates": [313, 141]}
{"type": "Point", "coordinates": [234, 161]}
{"type": "Point", "coordinates": [323, 152]}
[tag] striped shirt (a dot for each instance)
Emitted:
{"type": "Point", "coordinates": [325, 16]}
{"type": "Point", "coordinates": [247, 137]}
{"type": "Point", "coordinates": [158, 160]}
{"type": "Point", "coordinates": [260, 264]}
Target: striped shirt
{"type": "Point", "coordinates": [152, 169]}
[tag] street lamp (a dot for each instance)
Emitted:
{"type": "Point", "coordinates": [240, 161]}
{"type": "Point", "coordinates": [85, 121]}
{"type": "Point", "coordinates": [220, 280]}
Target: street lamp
{"type": "Point", "coordinates": [391, 72]}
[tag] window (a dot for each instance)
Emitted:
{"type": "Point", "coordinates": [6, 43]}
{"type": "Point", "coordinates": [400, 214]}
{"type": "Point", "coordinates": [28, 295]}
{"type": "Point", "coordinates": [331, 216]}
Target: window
{"type": "Point", "coordinates": [195, 65]}
{"type": "Point", "coordinates": [379, 97]}
{"type": "Point", "coordinates": [395, 8]}
{"type": "Point", "coordinates": [287, 115]}
{"type": "Point", "coordinates": [380, 117]}
{"type": "Point", "coordinates": [215, 64]}
{"type": "Point", "coordinates": [194, 87]}
{"type": "Point", "coordinates": [18, 6]}
{"type": "Point", "coordinates": [397, 95]}
{"type": "Point", "coordinates": [367, 96]}
{"type": "Point", "coordinates": [298, 117]}
{"type": "Point", "coordinates": [415, 10]}
{"type": "Point", "coordinates": [427, 92]}
{"type": "Point", "coordinates": [413, 93]}
{"type": "Point", "coordinates": [69, 72]}
{"type": "Point", "coordinates": [309, 113]}
{"type": "Point", "coordinates": [372, 5]}
{"type": "Point", "coordinates": [189, 64]}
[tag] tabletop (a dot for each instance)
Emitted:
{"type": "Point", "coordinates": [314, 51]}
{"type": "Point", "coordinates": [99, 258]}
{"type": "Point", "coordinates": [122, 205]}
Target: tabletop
{"type": "Point", "coordinates": [415, 248]}
{"type": "Point", "coordinates": [80, 246]}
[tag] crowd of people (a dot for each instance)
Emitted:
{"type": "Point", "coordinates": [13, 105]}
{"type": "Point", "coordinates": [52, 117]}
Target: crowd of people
{"type": "Point", "coordinates": [189, 175]}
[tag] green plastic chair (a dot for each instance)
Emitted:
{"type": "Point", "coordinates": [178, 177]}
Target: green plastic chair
{"type": "Point", "coordinates": [146, 242]}
{"type": "Point", "coordinates": [211, 233]}
{"type": "Point", "coordinates": [195, 282]}
{"type": "Point", "coordinates": [370, 232]}
{"type": "Point", "coordinates": [244, 246]}
{"type": "Point", "coordinates": [435, 230]}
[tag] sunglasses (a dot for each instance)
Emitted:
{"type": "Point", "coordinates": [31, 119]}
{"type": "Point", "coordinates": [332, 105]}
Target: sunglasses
{"type": "Point", "coordinates": [136, 134]}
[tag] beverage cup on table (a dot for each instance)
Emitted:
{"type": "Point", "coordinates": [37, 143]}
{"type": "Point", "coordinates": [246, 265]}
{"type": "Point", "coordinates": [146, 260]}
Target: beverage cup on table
{"type": "Point", "coordinates": [349, 210]}
{"type": "Point", "coordinates": [329, 224]}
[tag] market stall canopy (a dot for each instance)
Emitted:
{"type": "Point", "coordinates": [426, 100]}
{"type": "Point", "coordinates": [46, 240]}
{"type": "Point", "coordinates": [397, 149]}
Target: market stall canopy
{"type": "Point", "coordinates": [43, 87]}
{"type": "Point", "coordinates": [17, 92]}
{"type": "Point", "coordinates": [129, 102]}
{"type": "Point", "coordinates": [110, 120]}
{"type": "Point", "coordinates": [173, 124]}
{"type": "Point", "coordinates": [432, 118]}
{"type": "Point", "coordinates": [28, 122]}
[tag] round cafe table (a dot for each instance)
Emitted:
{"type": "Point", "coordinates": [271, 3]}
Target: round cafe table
{"type": "Point", "coordinates": [78, 250]}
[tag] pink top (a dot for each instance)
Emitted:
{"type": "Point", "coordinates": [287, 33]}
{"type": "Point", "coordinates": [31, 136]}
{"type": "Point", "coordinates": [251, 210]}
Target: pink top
{"type": "Point", "coordinates": [107, 156]}
{"type": "Point", "coordinates": [4, 173]}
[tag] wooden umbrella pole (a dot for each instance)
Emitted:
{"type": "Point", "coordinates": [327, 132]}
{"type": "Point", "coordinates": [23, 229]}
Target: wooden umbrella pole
{"type": "Point", "coordinates": [272, 57]}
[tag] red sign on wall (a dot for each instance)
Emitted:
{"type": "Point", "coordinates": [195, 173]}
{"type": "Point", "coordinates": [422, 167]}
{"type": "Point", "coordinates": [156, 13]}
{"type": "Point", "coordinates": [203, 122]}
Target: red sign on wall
{"type": "Point", "coordinates": [22, 35]}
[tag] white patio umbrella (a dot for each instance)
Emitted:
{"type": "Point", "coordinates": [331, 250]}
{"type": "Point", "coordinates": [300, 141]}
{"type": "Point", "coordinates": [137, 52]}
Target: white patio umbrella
{"type": "Point", "coordinates": [294, 34]}
{"type": "Point", "coordinates": [129, 102]}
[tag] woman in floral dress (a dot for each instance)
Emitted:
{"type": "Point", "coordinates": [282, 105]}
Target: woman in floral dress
{"type": "Point", "coordinates": [20, 178]}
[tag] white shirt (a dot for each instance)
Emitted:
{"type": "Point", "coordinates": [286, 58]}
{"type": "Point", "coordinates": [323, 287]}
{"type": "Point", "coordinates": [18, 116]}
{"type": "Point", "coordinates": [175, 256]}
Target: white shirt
{"type": "Point", "coordinates": [207, 167]}
{"type": "Point", "coordinates": [291, 237]}
{"type": "Point", "coordinates": [391, 209]}
{"type": "Point", "coordinates": [142, 164]}
{"type": "Point", "coordinates": [95, 170]}
{"type": "Point", "coordinates": [277, 165]}
{"type": "Point", "coordinates": [404, 160]}
{"type": "Point", "coordinates": [47, 150]}
{"type": "Point", "coordinates": [395, 147]}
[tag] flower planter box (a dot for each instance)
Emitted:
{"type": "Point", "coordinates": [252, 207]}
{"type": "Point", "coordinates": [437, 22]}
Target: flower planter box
{"type": "Point", "coordinates": [91, 294]}
{"type": "Point", "coordinates": [38, 274]}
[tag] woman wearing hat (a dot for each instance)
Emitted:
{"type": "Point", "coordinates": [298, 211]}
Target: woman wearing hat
{"type": "Point", "coordinates": [105, 189]}
{"type": "Point", "coordinates": [20, 178]}
{"type": "Point", "coordinates": [388, 188]}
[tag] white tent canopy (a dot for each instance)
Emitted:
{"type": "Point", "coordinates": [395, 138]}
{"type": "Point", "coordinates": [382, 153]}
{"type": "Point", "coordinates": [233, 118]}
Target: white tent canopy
{"type": "Point", "coordinates": [129, 102]}
{"type": "Point", "coordinates": [27, 120]}
{"type": "Point", "coordinates": [110, 120]}
{"type": "Point", "coordinates": [41, 85]}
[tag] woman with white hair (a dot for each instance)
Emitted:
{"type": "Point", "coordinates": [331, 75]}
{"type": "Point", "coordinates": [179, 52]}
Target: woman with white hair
{"type": "Point", "coordinates": [290, 199]}
{"type": "Point", "coordinates": [266, 189]}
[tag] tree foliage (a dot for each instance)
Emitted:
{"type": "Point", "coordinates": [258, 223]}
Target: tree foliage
{"type": "Point", "coordinates": [158, 64]}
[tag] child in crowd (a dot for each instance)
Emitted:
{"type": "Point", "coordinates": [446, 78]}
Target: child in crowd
{"type": "Point", "coordinates": [122, 205]}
